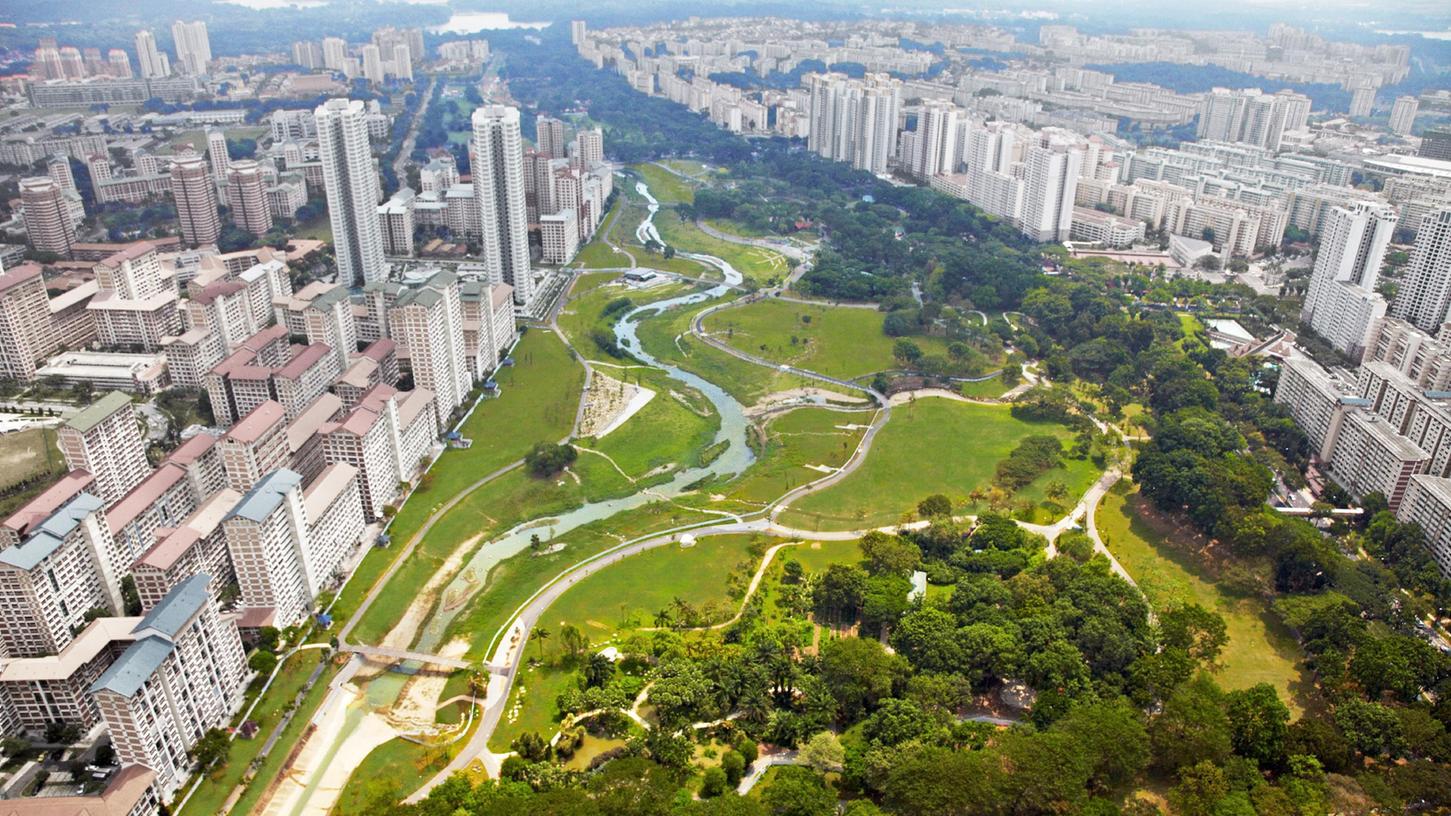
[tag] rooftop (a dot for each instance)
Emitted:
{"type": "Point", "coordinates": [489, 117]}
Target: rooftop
{"type": "Point", "coordinates": [146, 493]}
{"type": "Point", "coordinates": [263, 498]}
{"type": "Point", "coordinates": [163, 554]}
{"type": "Point", "coordinates": [97, 636]}
{"type": "Point", "coordinates": [98, 411]}
{"type": "Point", "coordinates": [179, 606]}
{"type": "Point", "coordinates": [134, 667]}
{"type": "Point", "coordinates": [257, 422]}
{"type": "Point", "coordinates": [50, 533]}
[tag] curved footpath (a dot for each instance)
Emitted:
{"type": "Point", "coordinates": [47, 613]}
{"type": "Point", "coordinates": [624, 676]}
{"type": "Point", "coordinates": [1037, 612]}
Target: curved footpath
{"type": "Point", "coordinates": [508, 650]}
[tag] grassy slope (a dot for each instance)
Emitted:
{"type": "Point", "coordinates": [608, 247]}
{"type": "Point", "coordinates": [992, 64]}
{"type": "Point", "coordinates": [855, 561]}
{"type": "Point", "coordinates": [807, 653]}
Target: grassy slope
{"type": "Point", "coordinates": [536, 404]}
{"type": "Point", "coordinates": [1259, 649]}
{"type": "Point", "coordinates": [801, 437]}
{"type": "Point", "coordinates": [839, 342]}
{"type": "Point", "coordinates": [929, 446]}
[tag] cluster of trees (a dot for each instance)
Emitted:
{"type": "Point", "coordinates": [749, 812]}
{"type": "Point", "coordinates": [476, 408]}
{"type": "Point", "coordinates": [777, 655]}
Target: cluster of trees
{"type": "Point", "coordinates": [1034, 456]}
{"type": "Point", "coordinates": [545, 460]}
{"type": "Point", "coordinates": [1217, 441]}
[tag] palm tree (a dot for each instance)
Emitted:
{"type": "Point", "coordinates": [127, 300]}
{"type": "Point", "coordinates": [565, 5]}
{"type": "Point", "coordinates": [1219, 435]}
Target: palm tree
{"type": "Point", "coordinates": [541, 634]}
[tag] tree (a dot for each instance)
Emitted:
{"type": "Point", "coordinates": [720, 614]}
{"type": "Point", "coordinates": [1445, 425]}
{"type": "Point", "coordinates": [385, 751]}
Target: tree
{"type": "Point", "coordinates": [860, 673]}
{"type": "Point", "coordinates": [1200, 788]}
{"type": "Point", "coordinates": [1373, 729]}
{"type": "Point", "coordinates": [895, 722]}
{"type": "Point", "coordinates": [713, 784]}
{"type": "Point", "coordinates": [211, 748]}
{"type": "Point", "coordinates": [262, 663]}
{"type": "Point", "coordinates": [934, 506]}
{"type": "Point", "coordinates": [798, 791]}
{"type": "Point", "coordinates": [1193, 727]}
{"type": "Point", "coordinates": [530, 746]}
{"type": "Point", "coordinates": [734, 766]}
{"type": "Point", "coordinates": [906, 352]}
{"type": "Point", "coordinates": [574, 642]}
{"type": "Point", "coordinates": [889, 554]}
{"type": "Point", "coordinates": [1113, 737]}
{"type": "Point", "coordinates": [130, 597]}
{"type": "Point", "coordinates": [1259, 723]}
{"type": "Point", "coordinates": [928, 638]}
{"type": "Point", "coordinates": [545, 460]}
{"type": "Point", "coordinates": [823, 752]}
{"type": "Point", "coordinates": [1198, 631]}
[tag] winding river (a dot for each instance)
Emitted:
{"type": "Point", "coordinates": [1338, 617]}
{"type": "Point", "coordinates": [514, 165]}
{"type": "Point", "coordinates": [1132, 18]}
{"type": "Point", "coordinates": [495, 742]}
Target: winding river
{"type": "Point", "coordinates": [732, 462]}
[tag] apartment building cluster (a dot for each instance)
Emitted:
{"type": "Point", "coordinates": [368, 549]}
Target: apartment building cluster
{"type": "Point", "coordinates": [391, 54]}
{"type": "Point", "coordinates": [1385, 427]}
{"type": "Point", "coordinates": [566, 185]}
{"type": "Point", "coordinates": [1342, 304]}
{"type": "Point", "coordinates": [62, 76]}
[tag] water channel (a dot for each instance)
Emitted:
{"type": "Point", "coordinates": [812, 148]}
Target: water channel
{"type": "Point", "coordinates": [382, 692]}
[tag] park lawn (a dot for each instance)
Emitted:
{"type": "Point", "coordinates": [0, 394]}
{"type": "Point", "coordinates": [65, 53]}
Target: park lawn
{"type": "Point", "coordinates": [667, 337]}
{"type": "Point", "coordinates": [1077, 475]}
{"type": "Point", "coordinates": [667, 187]}
{"type": "Point", "coordinates": [668, 433]}
{"type": "Point", "coordinates": [794, 440]}
{"type": "Point", "coordinates": [537, 401]}
{"type": "Point", "coordinates": [585, 310]}
{"type": "Point", "coordinates": [755, 263]}
{"type": "Point", "coordinates": [271, 764]}
{"type": "Point", "coordinates": [1260, 649]}
{"type": "Point", "coordinates": [628, 594]}
{"type": "Point", "coordinates": [930, 445]}
{"type": "Point", "coordinates": [598, 254]}
{"type": "Point", "coordinates": [689, 167]}
{"type": "Point", "coordinates": [533, 701]}
{"type": "Point", "coordinates": [511, 582]}
{"type": "Point", "coordinates": [991, 388]}
{"type": "Point", "coordinates": [218, 785]}
{"type": "Point", "coordinates": [733, 227]}
{"type": "Point", "coordinates": [838, 341]}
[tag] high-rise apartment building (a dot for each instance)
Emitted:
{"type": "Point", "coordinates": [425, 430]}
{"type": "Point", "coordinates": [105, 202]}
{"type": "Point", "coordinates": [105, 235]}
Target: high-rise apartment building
{"type": "Point", "coordinates": [1251, 116]}
{"type": "Point", "coordinates": [1362, 101]}
{"type": "Point", "coordinates": [195, 194]}
{"type": "Point", "coordinates": [498, 180]}
{"type": "Point", "coordinates": [48, 222]}
{"type": "Point", "coordinates": [1436, 144]}
{"type": "Point", "coordinates": [549, 136]}
{"type": "Point", "coordinates": [26, 331]}
{"type": "Point", "coordinates": [352, 189]}
{"type": "Point", "coordinates": [577, 30]}
{"type": "Point", "coordinates": [856, 120]}
{"type": "Point", "coordinates": [372, 64]}
{"type": "Point", "coordinates": [1341, 304]}
{"type": "Point", "coordinates": [153, 64]}
{"type": "Point", "coordinates": [1403, 114]}
{"type": "Point", "coordinates": [193, 47]}
{"type": "Point", "coordinates": [184, 673]}
{"type": "Point", "coordinates": [334, 53]}
{"type": "Point", "coordinates": [1050, 180]}
{"type": "Point", "coordinates": [589, 147]}
{"type": "Point", "coordinates": [308, 54]}
{"type": "Point", "coordinates": [118, 64]}
{"type": "Point", "coordinates": [105, 441]}
{"type": "Point", "coordinates": [427, 323]}
{"type": "Point", "coordinates": [1424, 297]}
{"type": "Point", "coordinates": [217, 154]}
{"type": "Point", "coordinates": [937, 139]}
{"type": "Point", "coordinates": [247, 197]}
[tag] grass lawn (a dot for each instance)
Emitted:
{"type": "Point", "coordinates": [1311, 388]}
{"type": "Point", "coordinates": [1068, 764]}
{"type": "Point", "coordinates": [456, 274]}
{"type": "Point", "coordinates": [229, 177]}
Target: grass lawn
{"type": "Point", "coordinates": [667, 337]}
{"type": "Point", "coordinates": [513, 580]}
{"type": "Point", "coordinates": [318, 229]}
{"type": "Point", "coordinates": [838, 341]}
{"type": "Point", "coordinates": [587, 302]}
{"type": "Point", "coordinates": [794, 440]}
{"type": "Point", "coordinates": [627, 595]}
{"type": "Point", "coordinates": [755, 263]}
{"type": "Point", "coordinates": [671, 430]}
{"type": "Point", "coordinates": [537, 401]}
{"type": "Point", "coordinates": [532, 703]}
{"type": "Point", "coordinates": [27, 454]}
{"type": "Point", "coordinates": [1260, 650]}
{"type": "Point", "coordinates": [218, 784]}
{"type": "Point", "coordinates": [599, 255]}
{"type": "Point", "coordinates": [667, 187]}
{"type": "Point", "coordinates": [991, 388]}
{"type": "Point", "coordinates": [929, 446]}
{"type": "Point", "coordinates": [392, 771]}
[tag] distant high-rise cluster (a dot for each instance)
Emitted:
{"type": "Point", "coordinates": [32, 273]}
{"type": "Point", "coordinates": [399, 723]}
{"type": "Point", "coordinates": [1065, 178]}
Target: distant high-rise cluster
{"type": "Point", "coordinates": [391, 54]}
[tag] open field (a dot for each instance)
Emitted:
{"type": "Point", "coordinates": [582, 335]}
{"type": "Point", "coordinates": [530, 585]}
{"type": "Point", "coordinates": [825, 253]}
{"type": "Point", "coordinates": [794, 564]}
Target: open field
{"type": "Point", "coordinates": [592, 293]}
{"type": "Point", "coordinates": [670, 432]}
{"type": "Point", "coordinates": [218, 785]}
{"type": "Point", "coordinates": [535, 692]}
{"type": "Point", "coordinates": [667, 187]}
{"type": "Point", "coordinates": [929, 446]}
{"type": "Point", "coordinates": [794, 441]}
{"type": "Point", "coordinates": [991, 388]}
{"type": "Point", "coordinates": [836, 341]}
{"type": "Point", "coordinates": [393, 770]}
{"type": "Point", "coordinates": [1260, 650]}
{"type": "Point", "coordinates": [27, 454]}
{"type": "Point", "coordinates": [627, 595]}
{"type": "Point", "coordinates": [668, 338]}
{"type": "Point", "coordinates": [537, 402]}
{"type": "Point", "coordinates": [755, 263]}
